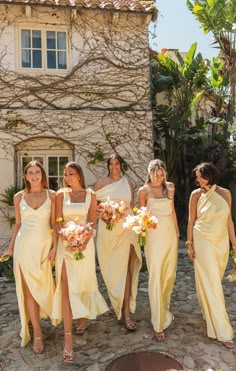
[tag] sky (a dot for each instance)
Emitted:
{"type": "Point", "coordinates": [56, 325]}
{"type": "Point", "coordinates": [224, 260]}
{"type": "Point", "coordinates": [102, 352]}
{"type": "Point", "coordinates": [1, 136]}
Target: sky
{"type": "Point", "coordinates": [177, 28]}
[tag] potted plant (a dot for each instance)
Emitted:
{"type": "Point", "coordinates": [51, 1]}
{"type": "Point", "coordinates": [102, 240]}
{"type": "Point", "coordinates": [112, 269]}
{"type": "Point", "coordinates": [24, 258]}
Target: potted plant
{"type": "Point", "coordinates": [7, 198]}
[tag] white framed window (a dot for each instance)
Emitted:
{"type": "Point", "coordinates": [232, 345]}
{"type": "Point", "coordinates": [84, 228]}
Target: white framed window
{"type": "Point", "coordinates": [53, 155]}
{"type": "Point", "coordinates": [43, 49]}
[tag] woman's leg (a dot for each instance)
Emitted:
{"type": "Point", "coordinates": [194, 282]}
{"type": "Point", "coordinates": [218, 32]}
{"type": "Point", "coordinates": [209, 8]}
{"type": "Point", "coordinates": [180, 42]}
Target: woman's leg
{"type": "Point", "coordinates": [67, 316]}
{"type": "Point", "coordinates": [129, 324]}
{"type": "Point", "coordinates": [34, 314]}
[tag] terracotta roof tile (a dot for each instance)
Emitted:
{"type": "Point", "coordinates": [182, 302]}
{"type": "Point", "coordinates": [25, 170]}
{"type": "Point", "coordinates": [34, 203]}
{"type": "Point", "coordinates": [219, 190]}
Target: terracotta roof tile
{"type": "Point", "coordinates": [146, 6]}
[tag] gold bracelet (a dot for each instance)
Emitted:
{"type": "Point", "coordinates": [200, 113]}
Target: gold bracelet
{"type": "Point", "coordinates": [188, 242]}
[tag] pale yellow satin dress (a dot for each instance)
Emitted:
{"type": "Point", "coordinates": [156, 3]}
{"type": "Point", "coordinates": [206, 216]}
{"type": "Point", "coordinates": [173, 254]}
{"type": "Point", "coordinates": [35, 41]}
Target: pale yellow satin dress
{"type": "Point", "coordinates": [32, 245]}
{"type": "Point", "coordinates": [161, 257]}
{"type": "Point", "coordinates": [85, 298]}
{"type": "Point", "coordinates": [211, 244]}
{"type": "Point", "coordinates": [113, 250]}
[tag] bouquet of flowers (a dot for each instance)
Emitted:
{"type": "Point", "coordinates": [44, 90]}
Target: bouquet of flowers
{"type": "Point", "coordinates": [112, 212]}
{"type": "Point", "coordinates": [4, 258]}
{"type": "Point", "coordinates": [140, 223]}
{"type": "Point", "coordinates": [76, 235]}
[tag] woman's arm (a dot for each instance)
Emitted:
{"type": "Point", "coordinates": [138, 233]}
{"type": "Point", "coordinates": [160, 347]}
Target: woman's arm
{"type": "Point", "coordinates": [231, 230]}
{"type": "Point", "coordinates": [92, 214]}
{"type": "Point", "coordinates": [17, 199]}
{"type": "Point", "coordinates": [191, 221]}
{"type": "Point", "coordinates": [142, 197]}
{"type": "Point", "coordinates": [132, 193]}
{"type": "Point", "coordinates": [52, 253]}
{"type": "Point", "coordinates": [172, 191]}
{"type": "Point", "coordinates": [59, 210]}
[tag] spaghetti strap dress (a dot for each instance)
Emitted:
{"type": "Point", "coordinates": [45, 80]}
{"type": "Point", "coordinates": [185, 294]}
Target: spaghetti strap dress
{"type": "Point", "coordinates": [32, 245]}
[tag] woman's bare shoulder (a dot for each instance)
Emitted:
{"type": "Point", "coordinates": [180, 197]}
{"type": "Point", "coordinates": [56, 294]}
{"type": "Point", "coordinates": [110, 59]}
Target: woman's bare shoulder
{"type": "Point", "coordinates": [100, 183]}
{"type": "Point", "coordinates": [224, 192]}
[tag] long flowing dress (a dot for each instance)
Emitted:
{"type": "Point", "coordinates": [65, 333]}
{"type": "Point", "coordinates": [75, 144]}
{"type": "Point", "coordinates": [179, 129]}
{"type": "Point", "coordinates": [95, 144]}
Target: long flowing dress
{"type": "Point", "coordinates": [161, 257]}
{"type": "Point", "coordinates": [32, 245]}
{"type": "Point", "coordinates": [113, 250]}
{"type": "Point", "coordinates": [85, 299]}
{"type": "Point", "coordinates": [211, 244]}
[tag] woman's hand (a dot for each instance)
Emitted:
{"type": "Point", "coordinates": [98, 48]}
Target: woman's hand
{"type": "Point", "coordinates": [191, 252]}
{"type": "Point", "coordinates": [52, 255]}
{"type": "Point", "coordinates": [8, 252]}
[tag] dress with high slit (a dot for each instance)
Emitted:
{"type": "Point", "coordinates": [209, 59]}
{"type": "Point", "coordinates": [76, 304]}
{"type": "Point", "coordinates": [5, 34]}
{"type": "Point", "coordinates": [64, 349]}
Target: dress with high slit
{"type": "Point", "coordinates": [161, 258]}
{"type": "Point", "coordinates": [211, 244]}
{"type": "Point", "coordinates": [113, 249]}
{"type": "Point", "coordinates": [85, 298]}
{"type": "Point", "coordinates": [32, 245]}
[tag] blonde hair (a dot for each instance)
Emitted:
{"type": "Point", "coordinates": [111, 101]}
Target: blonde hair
{"type": "Point", "coordinates": [158, 165]}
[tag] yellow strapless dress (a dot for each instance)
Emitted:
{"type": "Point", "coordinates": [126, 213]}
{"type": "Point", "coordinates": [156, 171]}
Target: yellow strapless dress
{"type": "Point", "coordinates": [211, 243]}
{"type": "Point", "coordinates": [113, 250]}
{"type": "Point", "coordinates": [32, 246]}
{"type": "Point", "coordinates": [161, 257]}
{"type": "Point", "coordinates": [85, 298]}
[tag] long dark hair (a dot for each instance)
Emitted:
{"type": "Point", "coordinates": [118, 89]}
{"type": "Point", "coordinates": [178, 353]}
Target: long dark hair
{"type": "Point", "coordinates": [208, 172]}
{"type": "Point", "coordinates": [74, 165]}
{"type": "Point", "coordinates": [44, 181]}
{"type": "Point", "coordinates": [118, 158]}
{"type": "Point", "coordinates": [158, 165]}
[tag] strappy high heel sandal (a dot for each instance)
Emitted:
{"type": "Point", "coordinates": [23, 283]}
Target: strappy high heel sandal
{"type": "Point", "coordinates": [80, 330]}
{"type": "Point", "coordinates": [159, 336]}
{"type": "Point", "coordinates": [68, 356]}
{"type": "Point", "coordinates": [38, 349]}
{"type": "Point", "coordinates": [129, 324]}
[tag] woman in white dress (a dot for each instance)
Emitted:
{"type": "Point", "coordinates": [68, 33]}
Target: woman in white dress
{"type": "Point", "coordinates": [77, 295]}
{"type": "Point", "coordinates": [161, 248]}
{"type": "Point", "coordinates": [119, 254]}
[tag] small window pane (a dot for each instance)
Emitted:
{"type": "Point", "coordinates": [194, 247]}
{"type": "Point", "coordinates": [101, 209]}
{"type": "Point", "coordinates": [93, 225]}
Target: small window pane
{"type": "Point", "coordinates": [53, 183]}
{"type": "Point", "coordinates": [39, 159]}
{"type": "Point", "coordinates": [51, 40]}
{"type": "Point", "coordinates": [26, 58]}
{"type": "Point", "coordinates": [62, 60]}
{"type": "Point", "coordinates": [61, 40]}
{"type": "Point", "coordinates": [36, 36]}
{"type": "Point", "coordinates": [62, 162]}
{"type": "Point", "coordinates": [37, 59]}
{"type": "Point", "coordinates": [51, 59]}
{"type": "Point", "coordinates": [52, 166]}
{"type": "Point", "coordinates": [25, 39]}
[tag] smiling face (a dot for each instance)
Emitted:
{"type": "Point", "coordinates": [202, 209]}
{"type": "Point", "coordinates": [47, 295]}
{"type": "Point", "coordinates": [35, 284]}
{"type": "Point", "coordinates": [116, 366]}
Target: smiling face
{"type": "Point", "coordinates": [203, 183]}
{"type": "Point", "coordinates": [157, 176]}
{"type": "Point", "coordinates": [114, 167]}
{"type": "Point", "coordinates": [71, 176]}
{"type": "Point", "coordinates": [34, 176]}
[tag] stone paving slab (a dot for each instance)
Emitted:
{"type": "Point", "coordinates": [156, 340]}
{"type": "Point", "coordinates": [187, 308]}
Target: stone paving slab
{"type": "Point", "coordinates": [106, 338]}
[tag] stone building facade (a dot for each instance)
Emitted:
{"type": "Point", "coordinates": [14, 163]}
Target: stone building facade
{"type": "Point", "coordinates": [75, 85]}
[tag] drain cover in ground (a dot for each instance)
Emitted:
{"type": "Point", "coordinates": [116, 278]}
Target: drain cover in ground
{"type": "Point", "coordinates": [144, 361]}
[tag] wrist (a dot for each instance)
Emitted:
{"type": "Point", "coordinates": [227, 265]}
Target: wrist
{"type": "Point", "coordinates": [189, 243]}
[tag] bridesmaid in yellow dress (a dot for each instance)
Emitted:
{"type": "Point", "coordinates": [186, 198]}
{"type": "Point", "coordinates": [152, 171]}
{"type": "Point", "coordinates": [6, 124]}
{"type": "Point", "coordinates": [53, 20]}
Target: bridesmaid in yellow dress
{"type": "Point", "coordinates": [34, 247]}
{"type": "Point", "coordinates": [209, 229]}
{"type": "Point", "coordinates": [118, 252]}
{"type": "Point", "coordinates": [161, 248]}
{"type": "Point", "coordinates": [77, 295]}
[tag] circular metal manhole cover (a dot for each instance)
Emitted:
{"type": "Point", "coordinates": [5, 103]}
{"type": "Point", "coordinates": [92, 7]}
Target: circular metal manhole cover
{"type": "Point", "coordinates": [144, 361]}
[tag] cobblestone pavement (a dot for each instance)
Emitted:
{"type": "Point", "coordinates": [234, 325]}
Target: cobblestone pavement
{"type": "Point", "coordinates": [106, 339]}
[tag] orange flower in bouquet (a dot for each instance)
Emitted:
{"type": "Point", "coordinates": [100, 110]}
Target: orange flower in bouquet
{"type": "Point", "coordinates": [111, 212]}
{"type": "Point", "coordinates": [140, 223]}
{"type": "Point", "coordinates": [76, 235]}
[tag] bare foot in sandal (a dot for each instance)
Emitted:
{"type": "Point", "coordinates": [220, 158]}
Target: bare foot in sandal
{"type": "Point", "coordinates": [229, 344]}
{"type": "Point", "coordinates": [129, 324]}
{"type": "Point", "coordinates": [81, 326]}
{"type": "Point", "coordinates": [159, 336]}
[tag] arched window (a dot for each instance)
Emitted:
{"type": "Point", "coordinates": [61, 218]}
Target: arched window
{"type": "Point", "coordinates": [53, 153]}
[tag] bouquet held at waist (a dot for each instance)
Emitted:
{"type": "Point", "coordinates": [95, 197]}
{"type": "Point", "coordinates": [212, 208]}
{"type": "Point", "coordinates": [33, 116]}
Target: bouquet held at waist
{"type": "Point", "coordinates": [111, 212]}
{"type": "Point", "coordinates": [76, 235]}
{"type": "Point", "coordinates": [140, 223]}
